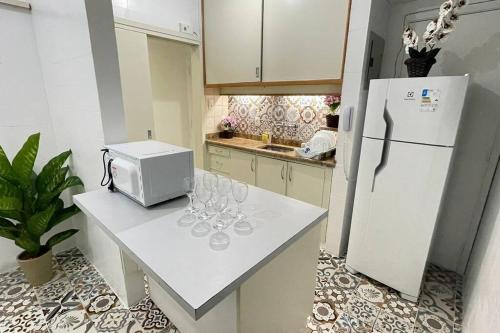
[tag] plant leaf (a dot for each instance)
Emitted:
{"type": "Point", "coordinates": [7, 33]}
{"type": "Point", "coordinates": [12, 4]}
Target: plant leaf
{"type": "Point", "coordinates": [38, 224]}
{"type": "Point", "coordinates": [47, 198]}
{"type": "Point", "coordinates": [23, 162]}
{"type": "Point", "coordinates": [6, 223]}
{"type": "Point", "coordinates": [58, 238]}
{"type": "Point", "coordinates": [6, 170]}
{"type": "Point", "coordinates": [433, 53]}
{"type": "Point", "coordinates": [8, 233]}
{"type": "Point", "coordinates": [45, 182]}
{"type": "Point", "coordinates": [13, 214]}
{"type": "Point", "coordinates": [11, 198]}
{"type": "Point", "coordinates": [63, 215]}
{"type": "Point", "coordinates": [25, 242]}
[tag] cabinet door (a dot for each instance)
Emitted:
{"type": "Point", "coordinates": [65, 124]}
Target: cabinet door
{"type": "Point", "coordinates": [232, 41]}
{"type": "Point", "coordinates": [243, 167]}
{"type": "Point", "coordinates": [135, 77]}
{"type": "Point", "coordinates": [271, 174]}
{"type": "Point", "coordinates": [304, 39]}
{"type": "Point", "coordinates": [305, 183]}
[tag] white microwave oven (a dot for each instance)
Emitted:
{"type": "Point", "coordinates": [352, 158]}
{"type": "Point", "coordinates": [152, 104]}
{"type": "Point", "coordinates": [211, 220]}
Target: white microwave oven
{"type": "Point", "coordinates": [150, 172]}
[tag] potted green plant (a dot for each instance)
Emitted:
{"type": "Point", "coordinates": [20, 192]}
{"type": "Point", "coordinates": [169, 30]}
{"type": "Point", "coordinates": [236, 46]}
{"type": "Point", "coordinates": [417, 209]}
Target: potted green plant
{"type": "Point", "coordinates": [332, 118]}
{"type": "Point", "coordinates": [228, 125]}
{"type": "Point", "coordinates": [421, 61]}
{"type": "Point", "coordinates": [30, 207]}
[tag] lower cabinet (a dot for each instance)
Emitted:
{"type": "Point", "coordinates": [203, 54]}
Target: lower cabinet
{"type": "Point", "coordinates": [305, 183]}
{"type": "Point", "coordinates": [308, 183]}
{"type": "Point", "coordinates": [242, 166]}
{"type": "Point", "coordinates": [271, 174]}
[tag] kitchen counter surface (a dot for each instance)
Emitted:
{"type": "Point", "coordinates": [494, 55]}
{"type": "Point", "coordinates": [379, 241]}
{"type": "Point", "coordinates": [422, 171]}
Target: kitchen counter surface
{"type": "Point", "coordinates": [197, 277]}
{"type": "Point", "coordinates": [253, 146]}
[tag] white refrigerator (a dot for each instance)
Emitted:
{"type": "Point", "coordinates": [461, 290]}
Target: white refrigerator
{"type": "Point", "coordinates": [408, 141]}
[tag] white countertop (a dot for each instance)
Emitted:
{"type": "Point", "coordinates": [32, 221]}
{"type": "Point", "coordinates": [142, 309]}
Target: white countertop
{"type": "Point", "coordinates": [185, 266]}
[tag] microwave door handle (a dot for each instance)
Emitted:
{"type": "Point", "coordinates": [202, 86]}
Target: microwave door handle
{"type": "Point", "coordinates": [386, 146]}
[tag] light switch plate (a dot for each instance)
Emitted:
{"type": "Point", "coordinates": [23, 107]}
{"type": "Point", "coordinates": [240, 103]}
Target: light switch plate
{"type": "Point", "coordinates": [185, 28]}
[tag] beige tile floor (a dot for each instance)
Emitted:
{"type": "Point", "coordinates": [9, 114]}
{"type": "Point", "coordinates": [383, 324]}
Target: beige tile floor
{"type": "Point", "coordinates": [78, 299]}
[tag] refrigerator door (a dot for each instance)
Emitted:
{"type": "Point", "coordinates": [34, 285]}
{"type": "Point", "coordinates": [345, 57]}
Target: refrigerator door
{"type": "Point", "coordinates": [423, 110]}
{"type": "Point", "coordinates": [396, 206]}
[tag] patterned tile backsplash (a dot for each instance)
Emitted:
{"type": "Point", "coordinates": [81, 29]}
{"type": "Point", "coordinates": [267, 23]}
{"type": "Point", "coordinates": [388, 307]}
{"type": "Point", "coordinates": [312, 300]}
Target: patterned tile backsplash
{"type": "Point", "coordinates": [285, 117]}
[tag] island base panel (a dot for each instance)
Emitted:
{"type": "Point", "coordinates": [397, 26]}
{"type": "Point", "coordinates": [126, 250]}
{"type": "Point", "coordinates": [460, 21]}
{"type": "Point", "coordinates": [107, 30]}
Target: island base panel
{"type": "Point", "coordinates": [279, 297]}
{"type": "Point", "coordinates": [223, 318]}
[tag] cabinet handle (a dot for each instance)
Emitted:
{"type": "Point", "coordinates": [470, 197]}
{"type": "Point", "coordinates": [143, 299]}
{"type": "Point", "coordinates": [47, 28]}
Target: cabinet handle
{"type": "Point", "coordinates": [257, 72]}
{"type": "Point", "coordinates": [252, 165]}
{"type": "Point", "coordinates": [283, 172]}
{"type": "Point", "coordinates": [290, 173]}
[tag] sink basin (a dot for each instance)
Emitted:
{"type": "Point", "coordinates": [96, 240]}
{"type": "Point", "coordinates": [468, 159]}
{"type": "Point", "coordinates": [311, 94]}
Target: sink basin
{"type": "Point", "coordinates": [279, 149]}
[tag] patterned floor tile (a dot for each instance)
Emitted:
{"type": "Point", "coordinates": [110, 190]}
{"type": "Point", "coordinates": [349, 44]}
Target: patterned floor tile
{"type": "Point", "coordinates": [346, 323]}
{"type": "Point", "coordinates": [53, 308]}
{"type": "Point", "coordinates": [370, 292]}
{"type": "Point", "coordinates": [31, 320]}
{"type": "Point", "coordinates": [428, 322]}
{"type": "Point", "coordinates": [397, 306]}
{"type": "Point", "coordinates": [439, 299]}
{"type": "Point", "coordinates": [74, 321]}
{"type": "Point", "coordinates": [151, 318]}
{"type": "Point", "coordinates": [101, 303]}
{"type": "Point", "coordinates": [12, 277]}
{"type": "Point", "coordinates": [362, 310]}
{"type": "Point", "coordinates": [53, 291]}
{"type": "Point", "coordinates": [389, 323]}
{"type": "Point", "coordinates": [117, 321]}
{"type": "Point", "coordinates": [14, 306]}
{"type": "Point", "coordinates": [78, 299]}
{"type": "Point", "coordinates": [338, 295]}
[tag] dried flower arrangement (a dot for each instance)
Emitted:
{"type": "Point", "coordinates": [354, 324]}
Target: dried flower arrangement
{"type": "Point", "coordinates": [228, 125]}
{"type": "Point", "coordinates": [421, 61]}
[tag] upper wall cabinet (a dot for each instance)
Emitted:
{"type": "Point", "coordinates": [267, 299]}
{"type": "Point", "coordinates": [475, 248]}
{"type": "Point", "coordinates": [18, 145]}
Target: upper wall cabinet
{"type": "Point", "coordinates": [233, 34]}
{"type": "Point", "coordinates": [303, 40]}
{"type": "Point", "coordinates": [274, 42]}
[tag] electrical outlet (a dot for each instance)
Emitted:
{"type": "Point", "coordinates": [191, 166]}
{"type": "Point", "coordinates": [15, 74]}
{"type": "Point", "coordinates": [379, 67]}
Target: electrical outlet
{"type": "Point", "coordinates": [185, 28]}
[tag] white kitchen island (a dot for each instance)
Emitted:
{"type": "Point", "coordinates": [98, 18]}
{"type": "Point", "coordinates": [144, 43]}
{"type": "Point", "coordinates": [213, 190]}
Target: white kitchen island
{"type": "Point", "coordinates": [263, 282]}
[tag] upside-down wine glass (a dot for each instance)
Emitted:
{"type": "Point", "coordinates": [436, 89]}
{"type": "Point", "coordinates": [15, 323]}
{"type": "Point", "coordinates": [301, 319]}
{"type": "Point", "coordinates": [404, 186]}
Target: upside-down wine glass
{"type": "Point", "coordinates": [190, 212]}
{"type": "Point", "coordinates": [220, 240]}
{"type": "Point", "coordinates": [204, 195]}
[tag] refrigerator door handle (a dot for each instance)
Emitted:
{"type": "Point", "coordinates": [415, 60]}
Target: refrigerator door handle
{"type": "Point", "coordinates": [387, 145]}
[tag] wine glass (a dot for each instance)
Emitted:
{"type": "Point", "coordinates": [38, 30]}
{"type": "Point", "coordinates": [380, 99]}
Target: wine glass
{"type": "Point", "coordinates": [240, 193]}
{"type": "Point", "coordinates": [189, 217]}
{"type": "Point", "coordinates": [223, 185]}
{"type": "Point", "coordinates": [189, 184]}
{"type": "Point", "coordinates": [210, 181]}
{"type": "Point", "coordinates": [220, 240]}
{"type": "Point", "coordinates": [203, 194]}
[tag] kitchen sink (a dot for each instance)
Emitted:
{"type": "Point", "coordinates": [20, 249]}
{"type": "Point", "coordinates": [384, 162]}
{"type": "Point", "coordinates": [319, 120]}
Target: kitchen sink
{"type": "Point", "coordinates": [279, 149]}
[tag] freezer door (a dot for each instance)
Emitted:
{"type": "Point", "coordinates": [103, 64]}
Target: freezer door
{"type": "Point", "coordinates": [423, 110]}
{"type": "Point", "coordinates": [395, 211]}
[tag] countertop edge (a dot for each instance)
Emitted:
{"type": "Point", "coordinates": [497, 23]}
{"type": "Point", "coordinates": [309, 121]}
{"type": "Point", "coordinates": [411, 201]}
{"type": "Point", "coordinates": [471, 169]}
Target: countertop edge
{"type": "Point", "coordinates": [262, 152]}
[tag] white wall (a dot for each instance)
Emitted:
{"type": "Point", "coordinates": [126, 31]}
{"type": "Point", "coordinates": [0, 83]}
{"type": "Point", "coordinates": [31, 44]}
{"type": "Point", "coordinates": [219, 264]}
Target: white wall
{"type": "Point", "coordinates": [365, 17]}
{"type": "Point", "coordinates": [23, 104]}
{"type": "Point", "coordinates": [482, 289]}
{"type": "Point", "coordinates": [81, 78]}
{"type": "Point", "coordinates": [471, 48]}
